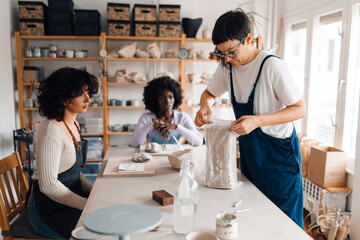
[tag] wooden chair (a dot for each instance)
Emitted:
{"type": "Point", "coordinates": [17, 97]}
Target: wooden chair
{"type": "Point", "coordinates": [14, 221]}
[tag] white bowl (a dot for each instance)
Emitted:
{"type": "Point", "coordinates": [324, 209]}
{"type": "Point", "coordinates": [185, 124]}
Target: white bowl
{"type": "Point", "coordinates": [201, 236]}
{"type": "Point", "coordinates": [174, 160]}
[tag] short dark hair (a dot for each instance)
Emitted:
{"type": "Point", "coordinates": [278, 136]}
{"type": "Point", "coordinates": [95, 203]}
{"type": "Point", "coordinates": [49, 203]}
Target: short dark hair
{"type": "Point", "coordinates": [155, 89]}
{"type": "Point", "coordinates": [61, 86]}
{"type": "Point", "coordinates": [232, 25]}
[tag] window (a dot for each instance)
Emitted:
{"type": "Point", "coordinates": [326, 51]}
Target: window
{"type": "Point", "coordinates": [352, 86]}
{"type": "Point", "coordinates": [324, 77]}
{"type": "Point", "coordinates": [295, 54]}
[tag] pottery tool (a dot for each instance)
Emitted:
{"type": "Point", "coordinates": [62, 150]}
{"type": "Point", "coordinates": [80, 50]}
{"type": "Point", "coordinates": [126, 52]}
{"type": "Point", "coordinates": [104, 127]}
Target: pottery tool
{"type": "Point", "coordinates": [321, 204]}
{"type": "Point", "coordinates": [237, 203]}
{"type": "Point", "coordinates": [342, 229]}
{"type": "Point", "coordinates": [243, 210]}
{"type": "Point", "coordinates": [334, 227]}
{"type": "Point", "coordinates": [177, 142]}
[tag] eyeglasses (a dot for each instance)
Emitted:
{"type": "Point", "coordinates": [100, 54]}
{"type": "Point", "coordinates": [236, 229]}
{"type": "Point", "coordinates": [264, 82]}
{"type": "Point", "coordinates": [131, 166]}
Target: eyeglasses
{"type": "Point", "coordinates": [230, 54]}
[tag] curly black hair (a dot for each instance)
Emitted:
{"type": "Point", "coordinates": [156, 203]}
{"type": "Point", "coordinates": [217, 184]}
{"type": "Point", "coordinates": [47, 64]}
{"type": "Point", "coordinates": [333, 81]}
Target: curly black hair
{"type": "Point", "coordinates": [61, 86]}
{"type": "Point", "coordinates": [155, 89]}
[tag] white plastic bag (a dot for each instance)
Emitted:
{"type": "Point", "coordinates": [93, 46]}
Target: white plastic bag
{"type": "Point", "coordinates": [220, 166]}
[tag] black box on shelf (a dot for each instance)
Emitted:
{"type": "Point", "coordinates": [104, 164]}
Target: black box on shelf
{"type": "Point", "coordinates": [144, 12]}
{"type": "Point", "coordinates": [169, 13]}
{"type": "Point", "coordinates": [87, 16]}
{"type": "Point", "coordinates": [60, 16]}
{"type": "Point", "coordinates": [169, 29]}
{"type": "Point", "coordinates": [32, 10]}
{"type": "Point", "coordinates": [119, 28]}
{"type": "Point", "coordinates": [87, 29]}
{"type": "Point", "coordinates": [145, 29]}
{"type": "Point", "coordinates": [65, 5]}
{"type": "Point", "coordinates": [29, 27]}
{"type": "Point", "coordinates": [118, 11]}
{"type": "Point", "coordinates": [61, 29]}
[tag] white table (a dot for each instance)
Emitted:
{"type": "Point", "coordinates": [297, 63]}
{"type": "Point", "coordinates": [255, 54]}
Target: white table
{"type": "Point", "coordinates": [264, 221]}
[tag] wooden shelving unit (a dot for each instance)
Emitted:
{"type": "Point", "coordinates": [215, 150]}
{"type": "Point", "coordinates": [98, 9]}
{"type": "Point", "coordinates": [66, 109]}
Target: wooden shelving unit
{"type": "Point", "coordinates": [21, 42]}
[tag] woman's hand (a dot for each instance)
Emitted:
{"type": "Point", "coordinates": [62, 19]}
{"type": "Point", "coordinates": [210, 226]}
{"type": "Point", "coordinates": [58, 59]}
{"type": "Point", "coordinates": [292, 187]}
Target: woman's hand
{"type": "Point", "coordinates": [200, 118]}
{"type": "Point", "coordinates": [163, 128]}
{"type": "Point", "coordinates": [245, 124]}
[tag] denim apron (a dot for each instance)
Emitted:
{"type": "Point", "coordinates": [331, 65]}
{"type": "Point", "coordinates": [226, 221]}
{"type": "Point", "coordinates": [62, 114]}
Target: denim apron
{"type": "Point", "coordinates": [156, 137]}
{"type": "Point", "coordinates": [60, 218]}
{"type": "Point", "coordinates": [272, 164]}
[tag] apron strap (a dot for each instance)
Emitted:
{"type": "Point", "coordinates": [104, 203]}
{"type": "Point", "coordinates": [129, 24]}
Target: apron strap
{"type": "Point", "coordinates": [251, 97]}
{"type": "Point", "coordinates": [72, 135]}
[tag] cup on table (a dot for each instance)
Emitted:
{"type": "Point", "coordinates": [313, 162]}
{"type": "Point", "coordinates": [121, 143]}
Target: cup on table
{"type": "Point", "coordinates": [69, 53]}
{"type": "Point", "coordinates": [226, 226]}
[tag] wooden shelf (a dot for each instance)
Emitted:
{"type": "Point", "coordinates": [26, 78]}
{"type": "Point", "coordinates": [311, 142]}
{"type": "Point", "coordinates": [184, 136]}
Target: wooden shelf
{"type": "Point", "coordinates": [92, 134]}
{"type": "Point", "coordinates": [200, 60]}
{"type": "Point", "coordinates": [25, 90]}
{"type": "Point", "coordinates": [60, 37]}
{"type": "Point", "coordinates": [31, 109]}
{"type": "Point", "coordinates": [120, 133]}
{"type": "Point", "coordinates": [31, 84]}
{"type": "Point", "coordinates": [145, 39]}
{"type": "Point", "coordinates": [198, 40]}
{"type": "Point", "coordinates": [60, 59]}
{"type": "Point", "coordinates": [95, 160]}
{"type": "Point", "coordinates": [145, 59]}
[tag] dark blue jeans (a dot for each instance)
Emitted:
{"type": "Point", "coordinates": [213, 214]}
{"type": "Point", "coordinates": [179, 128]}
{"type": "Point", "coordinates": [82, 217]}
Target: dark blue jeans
{"type": "Point", "coordinates": [37, 224]}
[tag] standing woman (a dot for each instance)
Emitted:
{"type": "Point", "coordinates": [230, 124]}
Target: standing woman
{"type": "Point", "coordinates": [162, 96]}
{"type": "Point", "coordinates": [60, 190]}
{"type": "Point", "coordinates": [265, 102]}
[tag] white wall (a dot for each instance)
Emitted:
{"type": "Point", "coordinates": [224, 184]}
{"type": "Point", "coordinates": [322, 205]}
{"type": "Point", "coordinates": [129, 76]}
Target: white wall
{"type": "Point", "coordinates": [7, 104]}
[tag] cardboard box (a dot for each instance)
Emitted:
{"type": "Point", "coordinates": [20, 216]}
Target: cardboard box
{"type": "Point", "coordinates": [326, 166]}
{"type": "Point", "coordinates": [144, 12]}
{"type": "Point", "coordinates": [169, 12]}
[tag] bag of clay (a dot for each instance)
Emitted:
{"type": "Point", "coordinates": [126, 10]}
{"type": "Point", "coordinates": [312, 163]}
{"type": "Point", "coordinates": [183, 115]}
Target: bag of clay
{"type": "Point", "coordinates": [220, 165]}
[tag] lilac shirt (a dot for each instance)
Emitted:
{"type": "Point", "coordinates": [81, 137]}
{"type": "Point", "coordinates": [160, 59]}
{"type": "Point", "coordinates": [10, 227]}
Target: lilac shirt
{"type": "Point", "coordinates": [186, 128]}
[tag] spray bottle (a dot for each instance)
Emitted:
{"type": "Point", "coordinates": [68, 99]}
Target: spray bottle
{"type": "Point", "coordinates": [185, 198]}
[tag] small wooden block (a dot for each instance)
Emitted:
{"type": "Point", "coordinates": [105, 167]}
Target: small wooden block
{"type": "Point", "coordinates": [163, 197]}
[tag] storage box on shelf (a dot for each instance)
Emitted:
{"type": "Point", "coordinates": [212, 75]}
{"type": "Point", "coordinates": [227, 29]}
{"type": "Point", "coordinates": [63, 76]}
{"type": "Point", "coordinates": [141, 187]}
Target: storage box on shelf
{"type": "Point", "coordinates": [64, 5]}
{"type": "Point", "coordinates": [169, 13]}
{"type": "Point", "coordinates": [144, 12]}
{"type": "Point", "coordinates": [87, 23]}
{"type": "Point", "coordinates": [32, 17]}
{"type": "Point", "coordinates": [118, 12]}
{"type": "Point", "coordinates": [145, 29]}
{"type": "Point", "coordinates": [169, 29]}
{"type": "Point", "coordinates": [119, 28]}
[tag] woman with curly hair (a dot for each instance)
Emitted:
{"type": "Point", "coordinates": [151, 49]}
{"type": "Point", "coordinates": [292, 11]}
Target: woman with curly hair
{"type": "Point", "coordinates": [162, 96]}
{"type": "Point", "coordinates": [60, 190]}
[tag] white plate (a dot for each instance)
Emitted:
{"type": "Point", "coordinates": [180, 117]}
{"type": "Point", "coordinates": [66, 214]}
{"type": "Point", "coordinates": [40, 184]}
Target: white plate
{"type": "Point", "coordinates": [83, 234]}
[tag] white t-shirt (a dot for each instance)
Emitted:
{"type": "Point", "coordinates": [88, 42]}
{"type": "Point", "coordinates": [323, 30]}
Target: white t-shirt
{"type": "Point", "coordinates": [275, 89]}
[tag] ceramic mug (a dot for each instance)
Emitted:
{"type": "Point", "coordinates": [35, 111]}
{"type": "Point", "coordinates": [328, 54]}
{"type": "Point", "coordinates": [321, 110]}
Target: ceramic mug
{"type": "Point", "coordinates": [79, 54]}
{"type": "Point", "coordinates": [226, 226]}
{"type": "Point", "coordinates": [69, 53]}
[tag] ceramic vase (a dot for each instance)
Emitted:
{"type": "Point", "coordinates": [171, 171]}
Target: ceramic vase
{"type": "Point", "coordinates": [191, 26]}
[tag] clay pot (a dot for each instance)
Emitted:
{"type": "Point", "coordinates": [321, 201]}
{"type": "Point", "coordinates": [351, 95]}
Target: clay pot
{"type": "Point", "coordinates": [191, 26]}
